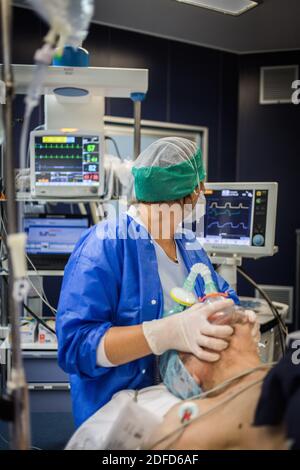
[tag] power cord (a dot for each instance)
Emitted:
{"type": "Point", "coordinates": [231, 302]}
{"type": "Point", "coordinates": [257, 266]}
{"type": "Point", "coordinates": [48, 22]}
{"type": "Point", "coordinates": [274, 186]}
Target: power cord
{"type": "Point", "coordinates": [203, 415]}
{"type": "Point", "coordinates": [39, 319]}
{"type": "Point", "coordinates": [282, 328]}
{"type": "Point", "coordinates": [35, 315]}
{"type": "Point", "coordinates": [7, 443]}
{"type": "Point", "coordinates": [42, 295]}
{"type": "Point", "coordinates": [107, 137]}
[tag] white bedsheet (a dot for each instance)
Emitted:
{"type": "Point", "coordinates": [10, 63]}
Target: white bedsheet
{"type": "Point", "coordinates": [92, 434]}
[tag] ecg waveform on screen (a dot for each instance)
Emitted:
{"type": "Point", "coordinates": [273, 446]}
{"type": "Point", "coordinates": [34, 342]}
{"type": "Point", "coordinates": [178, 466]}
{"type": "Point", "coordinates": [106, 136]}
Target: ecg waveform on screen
{"type": "Point", "coordinates": [228, 218]}
{"type": "Point", "coordinates": [229, 224]}
{"type": "Point", "coordinates": [227, 209]}
{"type": "Point", "coordinates": [228, 205]}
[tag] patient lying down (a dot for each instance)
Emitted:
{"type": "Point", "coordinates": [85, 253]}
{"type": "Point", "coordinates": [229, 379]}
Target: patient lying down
{"type": "Point", "coordinates": [225, 418]}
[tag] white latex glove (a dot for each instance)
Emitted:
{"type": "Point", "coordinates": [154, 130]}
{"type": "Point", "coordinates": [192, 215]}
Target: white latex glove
{"type": "Point", "coordinates": [252, 318]}
{"type": "Point", "coordinates": [190, 331]}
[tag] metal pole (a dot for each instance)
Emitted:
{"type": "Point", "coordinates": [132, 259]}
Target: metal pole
{"type": "Point", "coordinates": [17, 384]}
{"type": "Point", "coordinates": [137, 127]}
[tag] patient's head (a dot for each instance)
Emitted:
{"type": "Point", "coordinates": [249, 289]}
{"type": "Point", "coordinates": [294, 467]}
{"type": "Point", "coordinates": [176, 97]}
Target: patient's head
{"type": "Point", "coordinates": [185, 375]}
{"type": "Point", "coordinates": [241, 353]}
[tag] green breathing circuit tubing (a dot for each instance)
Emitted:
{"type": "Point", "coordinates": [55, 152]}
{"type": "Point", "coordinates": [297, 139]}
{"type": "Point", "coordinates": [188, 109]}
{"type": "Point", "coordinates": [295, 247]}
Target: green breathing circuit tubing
{"type": "Point", "coordinates": [189, 284]}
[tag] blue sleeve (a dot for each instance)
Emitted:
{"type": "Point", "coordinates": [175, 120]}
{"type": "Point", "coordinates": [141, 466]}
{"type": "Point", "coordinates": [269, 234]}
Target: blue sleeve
{"type": "Point", "coordinates": [87, 305]}
{"type": "Point", "coordinates": [222, 285]}
{"type": "Point", "coordinates": [225, 287]}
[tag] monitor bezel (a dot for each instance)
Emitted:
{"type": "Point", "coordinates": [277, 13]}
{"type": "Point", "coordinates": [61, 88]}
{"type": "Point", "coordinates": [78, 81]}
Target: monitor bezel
{"type": "Point", "coordinates": [69, 190]}
{"type": "Point", "coordinates": [249, 251]}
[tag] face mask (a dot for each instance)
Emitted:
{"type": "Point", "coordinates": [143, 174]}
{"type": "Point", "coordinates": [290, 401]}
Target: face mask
{"type": "Point", "coordinates": [176, 377]}
{"type": "Point", "coordinates": [198, 211]}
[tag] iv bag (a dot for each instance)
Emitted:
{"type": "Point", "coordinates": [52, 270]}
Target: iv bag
{"type": "Point", "coordinates": [68, 17]}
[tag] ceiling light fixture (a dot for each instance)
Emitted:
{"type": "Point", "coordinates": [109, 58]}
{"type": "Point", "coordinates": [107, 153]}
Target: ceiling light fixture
{"type": "Point", "coordinates": [230, 7]}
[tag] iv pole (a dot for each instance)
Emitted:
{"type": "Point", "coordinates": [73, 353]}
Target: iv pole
{"type": "Point", "coordinates": [17, 386]}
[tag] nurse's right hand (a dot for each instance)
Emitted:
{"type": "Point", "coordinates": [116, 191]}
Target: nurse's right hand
{"type": "Point", "coordinates": [190, 331]}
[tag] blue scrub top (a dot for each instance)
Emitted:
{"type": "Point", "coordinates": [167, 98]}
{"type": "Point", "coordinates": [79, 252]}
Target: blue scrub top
{"type": "Point", "coordinates": [112, 279]}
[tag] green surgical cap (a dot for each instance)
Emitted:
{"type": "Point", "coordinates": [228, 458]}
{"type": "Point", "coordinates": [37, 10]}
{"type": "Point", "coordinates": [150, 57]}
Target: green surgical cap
{"type": "Point", "coordinates": [167, 170]}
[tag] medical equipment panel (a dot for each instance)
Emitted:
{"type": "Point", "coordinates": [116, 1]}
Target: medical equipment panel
{"type": "Point", "coordinates": [66, 163]}
{"type": "Point", "coordinates": [53, 234]}
{"type": "Point", "coordinates": [52, 238]}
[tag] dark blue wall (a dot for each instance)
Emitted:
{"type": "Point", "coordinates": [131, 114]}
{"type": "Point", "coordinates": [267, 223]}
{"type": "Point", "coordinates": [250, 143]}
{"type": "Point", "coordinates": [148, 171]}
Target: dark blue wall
{"type": "Point", "coordinates": [269, 150]}
{"type": "Point", "coordinates": [186, 85]}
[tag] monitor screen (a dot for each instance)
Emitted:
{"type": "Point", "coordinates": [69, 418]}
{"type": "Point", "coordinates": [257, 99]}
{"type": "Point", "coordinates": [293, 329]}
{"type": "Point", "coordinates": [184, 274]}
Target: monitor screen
{"type": "Point", "coordinates": [53, 235]}
{"type": "Point", "coordinates": [228, 216]}
{"type": "Point", "coordinates": [236, 217]}
{"type": "Point", "coordinates": [66, 160]}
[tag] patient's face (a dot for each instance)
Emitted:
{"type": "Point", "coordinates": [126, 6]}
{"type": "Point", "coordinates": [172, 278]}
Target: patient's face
{"type": "Point", "coordinates": [242, 345]}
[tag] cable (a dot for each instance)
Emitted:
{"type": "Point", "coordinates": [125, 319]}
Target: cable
{"type": "Point", "coordinates": [41, 126]}
{"type": "Point", "coordinates": [107, 137]}
{"type": "Point", "coordinates": [265, 296]}
{"type": "Point", "coordinates": [34, 315]}
{"type": "Point", "coordinates": [38, 319]}
{"type": "Point", "coordinates": [42, 296]}
{"type": "Point", "coordinates": [4, 440]}
{"type": "Point", "coordinates": [282, 328]}
{"type": "Point", "coordinates": [24, 136]}
{"type": "Point", "coordinates": [211, 410]}
{"type": "Point", "coordinates": [7, 442]}
{"type": "Point", "coordinates": [44, 299]}
{"type": "Point", "coordinates": [53, 310]}
{"type": "Point", "coordinates": [40, 282]}
{"type": "Point", "coordinates": [227, 382]}
{"type": "Point", "coordinates": [42, 59]}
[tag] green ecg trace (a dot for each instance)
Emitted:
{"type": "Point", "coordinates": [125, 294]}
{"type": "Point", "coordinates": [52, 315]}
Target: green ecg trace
{"type": "Point", "coordinates": [226, 211]}
{"type": "Point", "coordinates": [49, 157]}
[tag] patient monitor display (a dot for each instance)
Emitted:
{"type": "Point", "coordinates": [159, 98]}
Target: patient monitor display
{"type": "Point", "coordinates": [240, 218]}
{"type": "Point", "coordinates": [66, 164]}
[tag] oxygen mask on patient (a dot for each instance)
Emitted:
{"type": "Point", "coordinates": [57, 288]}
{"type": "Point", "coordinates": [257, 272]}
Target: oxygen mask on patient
{"type": "Point", "coordinates": [176, 377]}
{"type": "Point", "coordinates": [229, 316]}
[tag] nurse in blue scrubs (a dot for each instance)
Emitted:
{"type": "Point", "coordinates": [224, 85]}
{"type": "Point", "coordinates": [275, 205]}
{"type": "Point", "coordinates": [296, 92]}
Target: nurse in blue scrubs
{"type": "Point", "coordinates": [117, 282]}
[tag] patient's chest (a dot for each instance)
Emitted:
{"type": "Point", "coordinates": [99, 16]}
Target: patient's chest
{"type": "Point", "coordinates": [221, 426]}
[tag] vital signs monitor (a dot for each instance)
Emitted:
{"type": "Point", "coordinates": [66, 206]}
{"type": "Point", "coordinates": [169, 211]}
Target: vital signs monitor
{"type": "Point", "coordinates": [240, 219]}
{"type": "Point", "coordinates": [68, 164]}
